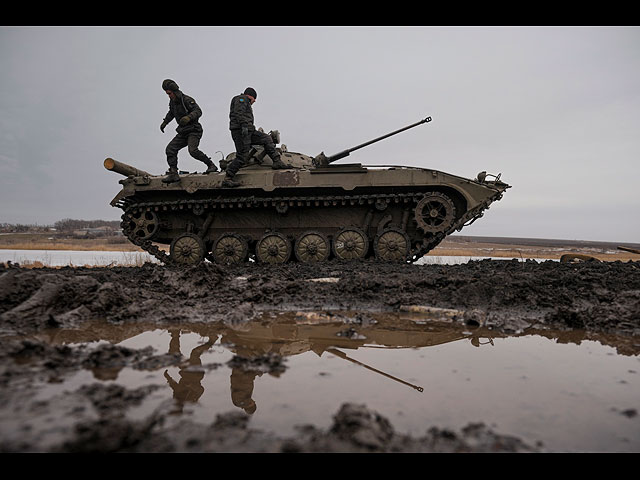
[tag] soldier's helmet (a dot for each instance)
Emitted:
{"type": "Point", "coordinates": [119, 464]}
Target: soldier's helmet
{"type": "Point", "coordinates": [169, 84]}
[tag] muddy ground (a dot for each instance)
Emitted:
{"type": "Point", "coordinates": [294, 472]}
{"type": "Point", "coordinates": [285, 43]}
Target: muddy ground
{"type": "Point", "coordinates": [505, 296]}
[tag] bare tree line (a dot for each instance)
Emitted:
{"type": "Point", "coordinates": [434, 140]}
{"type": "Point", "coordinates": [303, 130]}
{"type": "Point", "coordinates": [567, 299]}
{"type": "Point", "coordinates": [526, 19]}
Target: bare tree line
{"type": "Point", "coordinates": [64, 225]}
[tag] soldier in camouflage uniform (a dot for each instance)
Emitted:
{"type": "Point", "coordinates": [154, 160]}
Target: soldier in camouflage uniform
{"type": "Point", "coordinates": [244, 134]}
{"type": "Point", "coordinates": [189, 132]}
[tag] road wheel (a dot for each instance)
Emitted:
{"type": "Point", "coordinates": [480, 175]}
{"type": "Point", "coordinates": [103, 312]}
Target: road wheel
{"type": "Point", "coordinates": [392, 245]}
{"type": "Point", "coordinates": [230, 248]}
{"type": "Point", "coordinates": [187, 249]}
{"type": "Point", "coordinates": [273, 247]}
{"type": "Point", "coordinates": [350, 244]}
{"type": "Point", "coordinates": [312, 247]}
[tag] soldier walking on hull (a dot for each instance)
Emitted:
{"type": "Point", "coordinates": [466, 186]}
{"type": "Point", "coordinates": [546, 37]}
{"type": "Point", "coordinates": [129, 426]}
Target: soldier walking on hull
{"type": "Point", "coordinates": [244, 134]}
{"type": "Point", "coordinates": [189, 132]}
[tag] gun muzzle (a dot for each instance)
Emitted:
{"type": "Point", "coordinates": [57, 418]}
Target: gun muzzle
{"type": "Point", "coordinates": [124, 169]}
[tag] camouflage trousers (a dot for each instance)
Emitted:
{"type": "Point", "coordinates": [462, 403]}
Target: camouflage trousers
{"type": "Point", "coordinates": [192, 141]}
{"type": "Point", "coordinates": [243, 146]}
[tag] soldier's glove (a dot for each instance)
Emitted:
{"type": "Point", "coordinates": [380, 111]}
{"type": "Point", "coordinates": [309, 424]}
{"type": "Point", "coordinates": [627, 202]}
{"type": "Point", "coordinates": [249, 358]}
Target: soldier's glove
{"type": "Point", "coordinates": [162, 125]}
{"type": "Point", "coordinates": [184, 120]}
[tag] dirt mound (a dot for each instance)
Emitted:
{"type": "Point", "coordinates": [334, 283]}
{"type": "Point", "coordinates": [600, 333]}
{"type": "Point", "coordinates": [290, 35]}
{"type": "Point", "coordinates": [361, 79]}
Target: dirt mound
{"type": "Point", "coordinates": [504, 294]}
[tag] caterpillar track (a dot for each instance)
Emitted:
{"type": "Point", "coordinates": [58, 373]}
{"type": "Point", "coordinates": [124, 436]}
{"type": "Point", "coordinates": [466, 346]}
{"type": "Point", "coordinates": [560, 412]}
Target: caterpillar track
{"type": "Point", "coordinates": [312, 211]}
{"type": "Point", "coordinates": [199, 208]}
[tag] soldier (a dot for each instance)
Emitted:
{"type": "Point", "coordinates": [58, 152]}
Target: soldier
{"type": "Point", "coordinates": [244, 134]}
{"type": "Point", "coordinates": [186, 112]}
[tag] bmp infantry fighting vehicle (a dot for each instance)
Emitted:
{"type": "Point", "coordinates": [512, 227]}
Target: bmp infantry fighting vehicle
{"type": "Point", "coordinates": [314, 211]}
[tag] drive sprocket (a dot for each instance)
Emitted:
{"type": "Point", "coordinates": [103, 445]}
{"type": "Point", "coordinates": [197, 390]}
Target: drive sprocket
{"type": "Point", "coordinates": [435, 213]}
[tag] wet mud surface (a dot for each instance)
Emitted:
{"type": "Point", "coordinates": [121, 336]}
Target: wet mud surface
{"type": "Point", "coordinates": [42, 309]}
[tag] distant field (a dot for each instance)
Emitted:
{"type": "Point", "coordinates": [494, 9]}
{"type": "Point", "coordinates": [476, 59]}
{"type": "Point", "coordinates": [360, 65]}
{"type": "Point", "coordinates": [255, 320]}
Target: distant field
{"type": "Point", "coordinates": [454, 245]}
{"type": "Point", "coordinates": [458, 245]}
{"type": "Point", "coordinates": [46, 241]}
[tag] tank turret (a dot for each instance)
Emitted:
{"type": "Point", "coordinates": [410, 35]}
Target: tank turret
{"type": "Point", "coordinates": [315, 211]}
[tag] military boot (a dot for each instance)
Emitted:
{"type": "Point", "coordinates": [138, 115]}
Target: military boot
{"type": "Point", "coordinates": [211, 168]}
{"type": "Point", "coordinates": [172, 176]}
{"type": "Point", "coordinates": [279, 164]}
{"type": "Point", "coordinates": [229, 182]}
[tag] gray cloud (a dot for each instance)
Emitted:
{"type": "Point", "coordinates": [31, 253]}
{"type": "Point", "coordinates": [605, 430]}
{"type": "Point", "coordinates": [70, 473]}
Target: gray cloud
{"type": "Point", "coordinates": [555, 109]}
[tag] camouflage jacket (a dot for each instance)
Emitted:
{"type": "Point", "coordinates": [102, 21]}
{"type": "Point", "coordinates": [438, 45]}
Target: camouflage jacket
{"type": "Point", "coordinates": [184, 105]}
{"type": "Point", "coordinates": [241, 114]}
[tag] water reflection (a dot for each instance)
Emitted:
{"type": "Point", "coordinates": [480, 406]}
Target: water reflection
{"type": "Point", "coordinates": [264, 345]}
{"type": "Point", "coordinates": [189, 388]}
{"type": "Point", "coordinates": [572, 390]}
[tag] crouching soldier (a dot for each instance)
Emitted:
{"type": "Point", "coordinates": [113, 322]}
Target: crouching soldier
{"type": "Point", "coordinates": [244, 134]}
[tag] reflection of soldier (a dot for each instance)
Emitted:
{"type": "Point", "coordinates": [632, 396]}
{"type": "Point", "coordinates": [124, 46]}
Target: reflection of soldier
{"type": "Point", "coordinates": [242, 375]}
{"type": "Point", "coordinates": [186, 112]}
{"type": "Point", "coordinates": [244, 134]}
{"type": "Point", "coordinates": [242, 389]}
{"type": "Point", "coordinates": [188, 388]}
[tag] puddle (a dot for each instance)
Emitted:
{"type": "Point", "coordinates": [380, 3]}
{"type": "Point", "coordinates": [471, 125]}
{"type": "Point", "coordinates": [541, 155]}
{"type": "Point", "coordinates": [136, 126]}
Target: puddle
{"type": "Point", "coordinates": [571, 391]}
{"type": "Point", "coordinates": [58, 258]}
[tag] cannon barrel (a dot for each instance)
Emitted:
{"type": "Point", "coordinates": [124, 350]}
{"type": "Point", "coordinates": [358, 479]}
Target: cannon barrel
{"type": "Point", "coordinates": [322, 160]}
{"type": "Point", "coordinates": [340, 354]}
{"type": "Point", "coordinates": [123, 168]}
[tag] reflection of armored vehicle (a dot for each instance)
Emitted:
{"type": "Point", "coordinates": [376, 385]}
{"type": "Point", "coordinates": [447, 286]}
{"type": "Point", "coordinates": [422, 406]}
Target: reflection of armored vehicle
{"type": "Point", "coordinates": [310, 212]}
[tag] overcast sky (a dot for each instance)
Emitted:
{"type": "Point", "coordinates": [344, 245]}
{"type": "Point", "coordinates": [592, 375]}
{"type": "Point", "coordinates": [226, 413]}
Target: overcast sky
{"type": "Point", "coordinates": [555, 110]}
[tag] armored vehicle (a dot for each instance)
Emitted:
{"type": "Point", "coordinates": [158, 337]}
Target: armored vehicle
{"type": "Point", "coordinates": [314, 211]}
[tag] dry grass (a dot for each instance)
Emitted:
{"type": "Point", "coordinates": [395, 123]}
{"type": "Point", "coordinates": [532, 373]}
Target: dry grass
{"type": "Point", "coordinates": [36, 264]}
{"type": "Point", "coordinates": [74, 246]}
{"type": "Point", "coordinates": [468, 249]}
{"type": "Point", "coordinates": [29, 241]}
